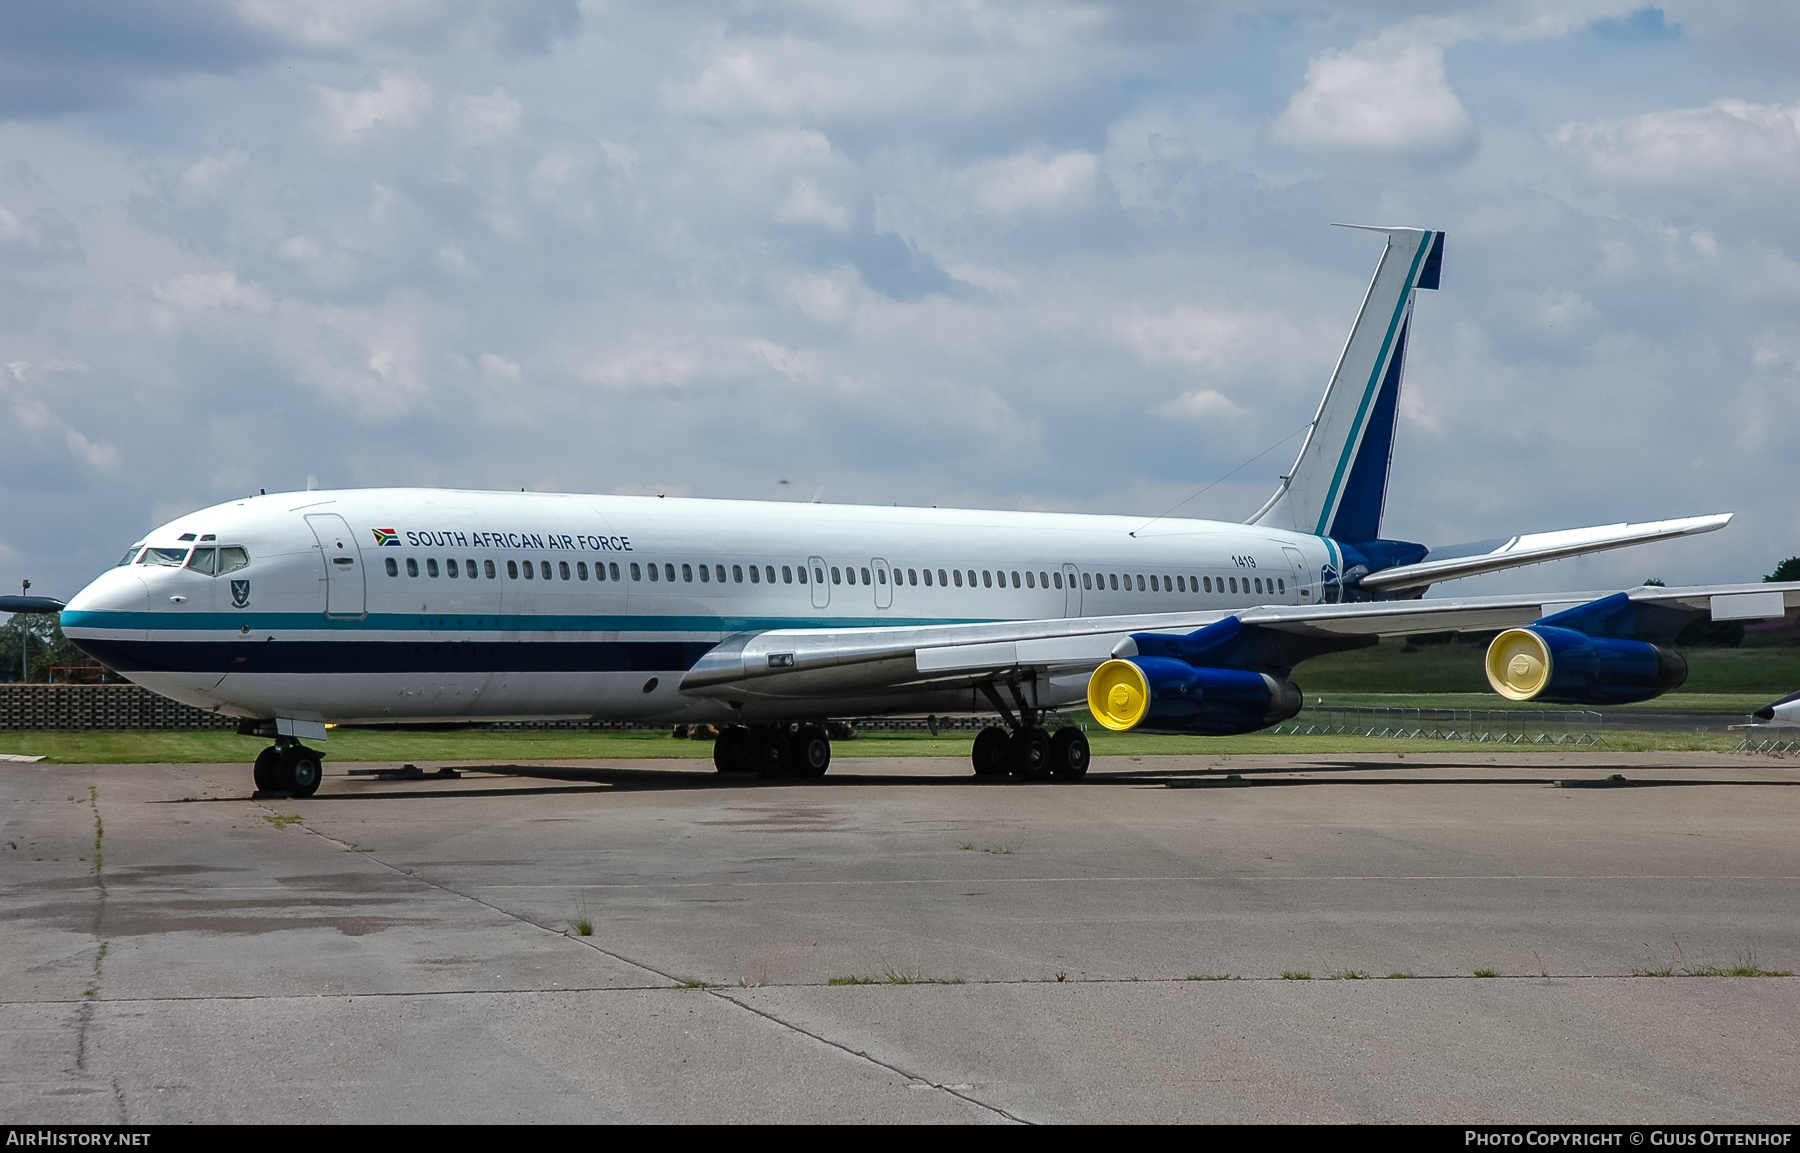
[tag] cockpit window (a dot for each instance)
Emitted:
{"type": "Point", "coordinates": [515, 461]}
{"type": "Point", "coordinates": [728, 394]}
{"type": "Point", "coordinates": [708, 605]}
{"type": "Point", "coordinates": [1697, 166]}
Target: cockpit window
{"type": "Point", "coordinates": [202, 560]}
{"type": "Point", "coordinates": [167, 557]}
{"type": "Point", "coordinates": [130, 554]}
{"type": "Point", "coordinates": [233, 559]}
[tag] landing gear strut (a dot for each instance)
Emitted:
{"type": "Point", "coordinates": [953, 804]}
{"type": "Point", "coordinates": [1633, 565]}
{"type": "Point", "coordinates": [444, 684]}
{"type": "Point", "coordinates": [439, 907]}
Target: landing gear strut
{"type": "Point", "coordinates": [1028, 751]}
{"type": "Point", "coordinates": [788, 750]}
{"type": "Point", "coordinates": [288, 768]}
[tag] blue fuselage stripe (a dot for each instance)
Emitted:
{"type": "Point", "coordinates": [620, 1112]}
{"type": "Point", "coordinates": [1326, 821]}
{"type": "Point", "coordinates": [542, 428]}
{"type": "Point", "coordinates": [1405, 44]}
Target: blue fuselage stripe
{"type": "Point", "coordinates": [413, 656]}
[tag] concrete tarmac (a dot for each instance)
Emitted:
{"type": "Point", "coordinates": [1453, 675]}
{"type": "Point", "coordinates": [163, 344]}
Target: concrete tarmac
{"type": "Point", "coordinates": [1129, 948]}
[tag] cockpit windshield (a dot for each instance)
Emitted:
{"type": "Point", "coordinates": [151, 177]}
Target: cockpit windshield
{"type": "Point", "coordinates": [167, 557]}
{"type": "Point", "coordinates": [130, 554]}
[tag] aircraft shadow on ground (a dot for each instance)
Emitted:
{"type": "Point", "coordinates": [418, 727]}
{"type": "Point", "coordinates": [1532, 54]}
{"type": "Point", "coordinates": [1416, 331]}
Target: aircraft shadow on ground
{"type": "Point", "coordinates": [604, 779]}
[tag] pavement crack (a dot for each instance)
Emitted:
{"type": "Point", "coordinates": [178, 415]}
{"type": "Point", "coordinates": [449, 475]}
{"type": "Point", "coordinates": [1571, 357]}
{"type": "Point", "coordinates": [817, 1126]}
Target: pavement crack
{"type": "Point", "coordinates": [862, 1055]}
{"type": "Point", "coordinates": [85, 1015]}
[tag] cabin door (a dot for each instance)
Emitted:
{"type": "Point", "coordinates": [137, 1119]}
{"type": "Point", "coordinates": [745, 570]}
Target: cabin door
{"type": "Point", "coordinates": [821, 592]}
{"type": "Point", "coordinates": [1303, 590]}
{"type": "Point", "coordinates": [884, 592]}
{"type": "Point", "coordinates": [1071, 591]}
{"type": "Point", "coordinates": [345, 591]}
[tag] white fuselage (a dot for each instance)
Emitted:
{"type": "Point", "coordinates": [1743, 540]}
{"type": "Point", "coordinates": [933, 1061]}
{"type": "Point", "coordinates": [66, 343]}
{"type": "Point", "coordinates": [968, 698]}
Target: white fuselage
{"type": "Point", "coordinates": [417, 605]}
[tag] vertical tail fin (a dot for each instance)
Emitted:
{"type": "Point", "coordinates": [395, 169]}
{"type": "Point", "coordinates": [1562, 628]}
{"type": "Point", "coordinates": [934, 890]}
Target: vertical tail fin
{"type": "Point", "coordinates": [1338, 486]}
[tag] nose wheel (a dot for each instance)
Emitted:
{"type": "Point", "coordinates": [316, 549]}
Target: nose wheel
{"type": "Point", "coordinates": [293, 769]}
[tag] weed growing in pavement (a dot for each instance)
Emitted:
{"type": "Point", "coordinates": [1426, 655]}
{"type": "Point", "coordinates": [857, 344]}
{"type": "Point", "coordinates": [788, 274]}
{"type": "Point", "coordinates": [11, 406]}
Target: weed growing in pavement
{"type": "Point", "coordinates": [1402, 976]}
{"type": "Point", "coordinates": [1296, 975]}
{"type": "Point", "coordinates": [1487, 972]}
{"type": "Point", "coordinates": [1348, 975]}
{"type": "Point", "coordinates": [693, 985]}
{"type": "Point", "coordinates": [282, 822]}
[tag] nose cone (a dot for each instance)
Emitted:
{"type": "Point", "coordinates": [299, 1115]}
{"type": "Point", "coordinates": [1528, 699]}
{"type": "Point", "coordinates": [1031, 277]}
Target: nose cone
{"type": "Point", "coordinates": [113, 606]}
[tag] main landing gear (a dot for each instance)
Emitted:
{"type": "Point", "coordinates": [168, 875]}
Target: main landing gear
{"type": "Point", "coordinates": [288, 768]}
{"type": "Point", "coordinates": [802, 751]}
{"type": "Point", "coordinates": [1028, 751]}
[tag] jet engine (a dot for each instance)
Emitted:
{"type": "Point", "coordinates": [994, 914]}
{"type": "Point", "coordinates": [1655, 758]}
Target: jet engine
{"type": "Point", "coordinates": [1561, 666]}
{"type": "Point", "coordinates": [1162, 695]}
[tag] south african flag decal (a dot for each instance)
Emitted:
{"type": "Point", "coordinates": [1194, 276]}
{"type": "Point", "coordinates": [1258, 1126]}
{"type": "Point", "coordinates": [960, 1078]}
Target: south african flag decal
{"type": "Point", "coordinates": [386, 536]}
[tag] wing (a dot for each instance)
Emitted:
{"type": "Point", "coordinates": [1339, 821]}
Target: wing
{"type": "Point", "coordinates": [1443, 564]}
{"type": "Point", "coordinates": [800, 663]}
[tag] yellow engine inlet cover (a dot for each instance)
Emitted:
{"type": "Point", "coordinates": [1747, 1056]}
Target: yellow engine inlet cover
{"type": "Point", "coordinates": [1518, 664]}
{"type": "Point", "coordinates": [1118, 695]}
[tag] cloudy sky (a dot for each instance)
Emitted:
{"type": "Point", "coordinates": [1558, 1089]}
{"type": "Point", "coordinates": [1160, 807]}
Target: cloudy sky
{"type": "Point", "coordinates": [1038, 255]}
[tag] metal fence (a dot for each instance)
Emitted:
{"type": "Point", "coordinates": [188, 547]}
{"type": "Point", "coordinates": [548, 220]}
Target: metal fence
{"type": "Point", "coordinates": [1565, 727]}
{"type": "Point", "coordinates": [1757, 743]}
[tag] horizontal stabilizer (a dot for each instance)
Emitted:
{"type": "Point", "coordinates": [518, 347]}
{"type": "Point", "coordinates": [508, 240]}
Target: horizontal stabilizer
{"type": "Point", "coordinates": [1534, 548]}
{"type": "Point", "coordinates": [30, 605]}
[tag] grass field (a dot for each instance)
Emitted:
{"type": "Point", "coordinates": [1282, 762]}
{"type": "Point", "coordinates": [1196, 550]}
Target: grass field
{"type": "Point", "coordinates": [503, 747]}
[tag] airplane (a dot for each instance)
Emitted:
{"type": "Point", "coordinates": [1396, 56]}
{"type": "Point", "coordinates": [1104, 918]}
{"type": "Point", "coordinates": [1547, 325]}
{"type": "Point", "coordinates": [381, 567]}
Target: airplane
{"type": "Point", "coordinates": [1784, 713]}
{"type": "Point", "coordinates": [295, 611]}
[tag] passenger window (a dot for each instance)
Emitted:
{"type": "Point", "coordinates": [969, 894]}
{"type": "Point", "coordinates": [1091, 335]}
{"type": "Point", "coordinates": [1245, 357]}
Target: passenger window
{"type": "Point", "coordinates": [755, 577]}
{"type": "Point", "coordinates": [487, 566]}
{"type": "Point", "coordinates": [1015, 578]}
{"type": "Point", "coordinates": [393, 567]}
{"type": "Point", "coordinates": [1057, 577]}
{"type": "Point", "coordinates": [412, 567]}
{"type": "Point", "coordinates": [705, 574]}
{"type": "Point", "coordinates": [865, 576]}
{"type": "Point", "coordinates": [1281, 585]}
{"type": "Point", "coordinates": [881, 576]}
{"type": "Point", "coordinates": [1085, 582]}
{"type": "Point", "coordinates": [1259, 587]}
{"type": "Point", "coordinates": [687, 573]}
{"type": "Point", "coordinates": [1234, 587]}
{"type": "Point", "coordinates": [737, 573]}
{"type": "Point", "coordinates": [769, 573]}
{"type": "Point", "coordinates": [941, 579]}
{"type": "Point", "coordinates": [612, 570]}
{"type": "Point", "coordinates": [530, 570]}
{"type": "Point", "coordinates": [669, 572]}
{"type": "Point", "coordinates": [987, 579]}
{"type": "Point", "coordinates": [912, 576]}
{"type": "Point", "coordinates": [562, 569]}
{"type": "Point", "coordinates": [957, 573]}
{"type": "Point", "coordinates": [232, 559]}
{"type": "Point", "coordinates": [1140, 582]}
{"type": "Point", "coordinates": [431, 567]}
{"type": "Point", "coordinates": [836, 578]}
{"type": "Point", "coordinates": [635, 573]}
{"type": "Point", "coordinates": [1114, 578]}
{"type": "Point", "coordinates": [580, 570]}
{"type": "Point", "coordinates": [202, 560]}
{"type": "Point", "coordinates": [787, 575]}
{"type": "Point", "coordinates": [452, 568]}
{"type": "Point", "coordinates": [819, 575]}
{"type": "Point", "coordinates": [654, 575]}
{"type": "Point", "coordinates": [544, 568]}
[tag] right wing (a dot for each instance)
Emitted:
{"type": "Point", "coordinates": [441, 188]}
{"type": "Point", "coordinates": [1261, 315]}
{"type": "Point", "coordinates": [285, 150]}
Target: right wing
{"type": "Point", "coordinates": [794, 664]}
{"type": "Point", "coordinates": [1533, 548]}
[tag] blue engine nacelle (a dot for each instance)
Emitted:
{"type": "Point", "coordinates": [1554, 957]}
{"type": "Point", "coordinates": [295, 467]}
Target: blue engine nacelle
{"type": "Point", "coordinates": [1163, 695]}
{"type": "Point", "coordinates": [1561, 666]}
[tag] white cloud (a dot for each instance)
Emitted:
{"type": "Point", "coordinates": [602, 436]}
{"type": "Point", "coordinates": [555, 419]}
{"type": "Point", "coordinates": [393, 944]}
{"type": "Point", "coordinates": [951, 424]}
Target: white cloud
{"type": "Point", "coordinates": [212, 290]}
{"type": "Point", "coordinates": [1201, 406]}
{"type": "Point", "coordinates": [485, 119]}
{"type": "Point", "coordinates": [807, 205]}
{"type": "Point", "coordinates": [1387, 94]}
{"type": "Point", "coordinates": [1726, 140]}
{"type": "Point", "coordinates": [209, 176]}
{"type": "Point", "coordinates": [1024, 181]}
{"type": "Point", "coordinates": [397, 101]}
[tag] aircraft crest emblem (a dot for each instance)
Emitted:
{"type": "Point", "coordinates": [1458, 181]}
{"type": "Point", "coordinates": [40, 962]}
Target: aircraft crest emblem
{"type": "Point", "coordinates": [240, 593]}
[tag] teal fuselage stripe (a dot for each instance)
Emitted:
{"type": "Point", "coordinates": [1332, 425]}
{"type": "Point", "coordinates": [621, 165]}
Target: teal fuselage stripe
{"type": "Point", "coordinates": [1362, 410]}
{"type": "Point", "coordinates": [477, 622]}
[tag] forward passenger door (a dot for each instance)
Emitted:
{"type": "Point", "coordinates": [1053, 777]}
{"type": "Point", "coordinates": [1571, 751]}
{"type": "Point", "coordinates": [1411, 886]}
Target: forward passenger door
{"type": "Point", "coordinates": [821, 592]}
{"type": "Point", "coordinates": [345, 589]}
{"type": "Point", "coordinates": [884, 592]}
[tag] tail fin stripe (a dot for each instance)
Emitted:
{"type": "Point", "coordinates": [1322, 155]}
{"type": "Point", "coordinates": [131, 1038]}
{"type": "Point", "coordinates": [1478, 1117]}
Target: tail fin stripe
{"type": "Point", "coordinates": [1354, 441]}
